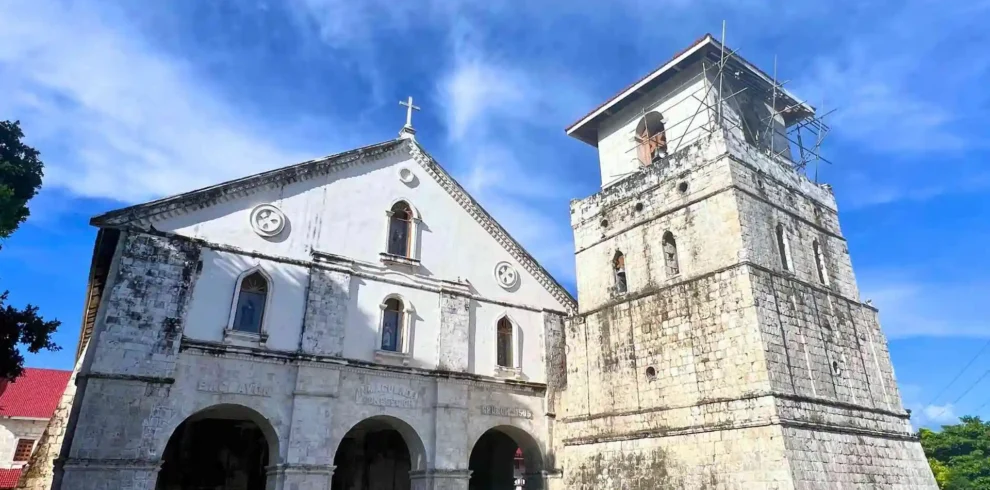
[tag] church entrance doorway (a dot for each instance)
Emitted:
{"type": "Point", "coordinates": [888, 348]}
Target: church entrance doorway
{"type": "Point", "coordinates": [505, 458]}
{"type": "Point", "coordinates": [377, 454]}
{"type": "Point", "coordinates": [222, 448]}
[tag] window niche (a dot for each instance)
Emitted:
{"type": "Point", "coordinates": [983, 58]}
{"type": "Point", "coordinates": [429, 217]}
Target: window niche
{"type": "Point", "coordinates": [400, 234]}
{"type": "Point", "coordinates": [820, 263]}
{"type": "Point", "coordinates": [784, 247]}
{"type": "Point", "coordinates": [393, 338]}
{"type": "Point", "coordinates": [248, 313]}
{"type": "Point", "coordinates": [506, 355]}
{"type": "Point", "coordinates": [651, 139]}
{"type": "Point", "coordinates": [670, 261]}
{"type": "Point", "coordinates": [619, 273]}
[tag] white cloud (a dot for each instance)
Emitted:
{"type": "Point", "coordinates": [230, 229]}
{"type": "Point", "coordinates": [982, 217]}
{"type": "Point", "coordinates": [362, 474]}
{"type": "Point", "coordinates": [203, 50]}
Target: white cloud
{"type": "Point", "coordinates": [114, 118]}
{"type": "Point", "coordinates": [940, 414]}
{"type": "Point", "coordinates": [911, 307]}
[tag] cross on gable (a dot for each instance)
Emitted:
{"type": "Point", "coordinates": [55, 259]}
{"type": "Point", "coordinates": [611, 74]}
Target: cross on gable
{"type": "Point", "coordinates": [409, 110]}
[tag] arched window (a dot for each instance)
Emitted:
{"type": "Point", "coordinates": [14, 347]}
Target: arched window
{"type": "Point", "coordinates": [619, 269]}
{"type": "Point", "coordinates": [392, 325]}
{"type": "Point", "coordinates": [503, 343]}
{"type": "Point", "coordinates": [784, 247]}
{"type": "Point", "coordinates": [652, 138]}
{"type": "Point", "coordinates": [400, 226]}
{"type": "Point", "coordinates": [249, 310]}
{"type": "Point", "coordinates": [670, 255]}
{"type": "Point", "coordinates": [820, 263]}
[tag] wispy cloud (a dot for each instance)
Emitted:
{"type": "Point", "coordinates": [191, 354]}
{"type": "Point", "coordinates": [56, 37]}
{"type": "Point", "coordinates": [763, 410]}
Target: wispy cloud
{"type": "Point", "coordinates": [912, 307]}
{"type": "Point", "coordinates": [930, 415]}
{"type": "Point", "coordinates": [125, 121]}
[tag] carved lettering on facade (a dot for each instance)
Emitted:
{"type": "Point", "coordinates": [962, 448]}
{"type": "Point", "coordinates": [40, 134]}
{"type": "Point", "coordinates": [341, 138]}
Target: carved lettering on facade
{"type": "Point", "coordinates": [235, 388]}
{"type": "Point", "coordinates": [387, 395]}
{"type": "Point", "coordinates": [498, 411]}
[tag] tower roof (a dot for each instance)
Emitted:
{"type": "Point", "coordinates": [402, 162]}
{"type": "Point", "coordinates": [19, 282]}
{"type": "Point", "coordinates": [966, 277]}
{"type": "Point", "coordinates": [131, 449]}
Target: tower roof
{"type": "Point", "coordinates": [706, 47]}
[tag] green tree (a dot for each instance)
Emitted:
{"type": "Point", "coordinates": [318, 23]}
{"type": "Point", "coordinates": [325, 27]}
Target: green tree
{"type": "Point", "coordinates": [20, 178]}
{"type": "Point", "coordinates": [959, 454]}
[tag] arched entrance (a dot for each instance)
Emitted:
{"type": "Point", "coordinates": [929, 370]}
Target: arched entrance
{"type": "Point", "coordinates": [504, 458]}
{"type": "Point", "coordinates": [377, 454]}
{"type": "Point", "coordinates": [225, 447]}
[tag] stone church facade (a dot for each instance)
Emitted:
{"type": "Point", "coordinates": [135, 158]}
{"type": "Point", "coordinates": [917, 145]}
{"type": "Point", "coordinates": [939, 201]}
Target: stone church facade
{"type": "Point", "coordinates": [267, 333]}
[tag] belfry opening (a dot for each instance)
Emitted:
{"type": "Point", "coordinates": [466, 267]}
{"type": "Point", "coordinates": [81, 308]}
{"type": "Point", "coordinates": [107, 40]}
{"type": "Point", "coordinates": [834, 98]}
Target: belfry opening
{"type": "Point", "coordinates": [222, 448]}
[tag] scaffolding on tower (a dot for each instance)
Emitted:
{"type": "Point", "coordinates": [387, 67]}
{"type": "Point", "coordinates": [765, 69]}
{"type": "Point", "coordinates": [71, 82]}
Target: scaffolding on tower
{"type": "Point", "coordinates": [804, 137]}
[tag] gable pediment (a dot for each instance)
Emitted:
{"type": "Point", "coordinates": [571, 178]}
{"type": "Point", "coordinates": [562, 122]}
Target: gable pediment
{"type": "Point", "coordinates": [181, 207]}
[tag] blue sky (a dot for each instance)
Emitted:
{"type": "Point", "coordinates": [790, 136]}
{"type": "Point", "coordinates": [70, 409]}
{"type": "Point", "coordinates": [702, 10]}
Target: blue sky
{"type": "Point", "coordinates": [129, 101]}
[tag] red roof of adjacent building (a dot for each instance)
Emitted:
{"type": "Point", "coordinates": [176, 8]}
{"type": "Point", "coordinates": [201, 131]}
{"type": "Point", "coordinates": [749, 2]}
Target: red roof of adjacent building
{"type": "Point", "coordinates": [34, 394]}
{"type": "Point", "coordinates": [8, 478]}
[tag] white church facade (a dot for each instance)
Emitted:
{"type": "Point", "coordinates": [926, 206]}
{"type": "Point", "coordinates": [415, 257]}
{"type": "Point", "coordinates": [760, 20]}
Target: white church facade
{"type": "Point", "coordinates": [360, 322]}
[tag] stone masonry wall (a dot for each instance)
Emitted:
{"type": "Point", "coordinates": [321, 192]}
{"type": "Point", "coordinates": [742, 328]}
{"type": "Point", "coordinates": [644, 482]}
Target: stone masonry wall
{"type": "Point", "coordinates": [455, 326]}
{"type": "Point", "coordinates": [326, 312]}
{"type": "Point", "coordinates": [41, 467]}
{"type": "Point", "coordinates": [752, 458]}
{"type": "Point", "coordinates": [694, 206]}
{"type": "Point", "coordinates": [143, 323]}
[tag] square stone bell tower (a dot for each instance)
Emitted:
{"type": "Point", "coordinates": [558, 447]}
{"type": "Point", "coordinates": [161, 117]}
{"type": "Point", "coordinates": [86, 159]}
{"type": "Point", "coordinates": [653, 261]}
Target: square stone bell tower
{"type": "Point", "coordinates": [721, 341]}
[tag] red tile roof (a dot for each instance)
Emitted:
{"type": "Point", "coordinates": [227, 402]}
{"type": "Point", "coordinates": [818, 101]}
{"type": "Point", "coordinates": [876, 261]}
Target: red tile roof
{"type": "Point", "coordinates": [35, 394]}
{"type": "Point", "coordinates": [8, 478]}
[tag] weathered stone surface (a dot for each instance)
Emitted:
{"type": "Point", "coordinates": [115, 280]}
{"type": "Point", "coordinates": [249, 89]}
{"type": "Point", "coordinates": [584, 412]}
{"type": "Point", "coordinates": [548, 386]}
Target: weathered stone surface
{"type": "Point", "coordinates": [327, 302]}
{"type": "Point", "coordinates": [455, 326]}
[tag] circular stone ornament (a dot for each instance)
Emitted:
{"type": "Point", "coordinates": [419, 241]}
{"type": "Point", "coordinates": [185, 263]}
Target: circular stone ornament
{"type": "Point", "coordinates": [406, 175]}
{"type": "Point", "coordinates": [267, 220]}
{"type": "Point", "coordinates": [505, 275]}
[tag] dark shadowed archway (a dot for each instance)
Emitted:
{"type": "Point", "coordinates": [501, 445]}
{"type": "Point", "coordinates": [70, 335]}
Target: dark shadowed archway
{"type": "Point", "coordinates": [225, 447]}
{"type": "Point", "coordinates": [377, 454]}
{"type": "Point", "coordinates": [504, 456]}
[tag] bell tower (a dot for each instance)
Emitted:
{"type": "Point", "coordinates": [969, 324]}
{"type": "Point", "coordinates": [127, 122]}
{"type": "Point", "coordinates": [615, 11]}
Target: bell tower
{"type": "Point", "coordinates": [720, 341]}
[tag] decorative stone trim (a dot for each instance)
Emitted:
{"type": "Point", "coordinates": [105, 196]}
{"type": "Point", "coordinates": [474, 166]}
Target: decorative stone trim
{"type": "Point", "coordinates": [438, 473]}
{"type": "Point", "coordinates": [282, 358]}
{"type": "Point", "coordinates": [391, 357]}
{"type": "Point", "coordinates": [92, 464]}
{"type": "Point", "coordinates": [237, 337]}
{"type": "Point", "coordinates": [388, 258]}
{"type": "Point", "coordinates": [491, 226]}
{"type": "Point", "coordinates": [507, 372]}
{"type": "Point", "coordinates": [300, 469]}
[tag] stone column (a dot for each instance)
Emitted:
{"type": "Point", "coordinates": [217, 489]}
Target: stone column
{"type": "Point", "coordinates": [299, 477]}
{"type": "Point", "coordinates": [539, 480]}
{"type": "Point", "coordinates": [437, 479]}
{"type": "Point", "coordinates": [96, 474]}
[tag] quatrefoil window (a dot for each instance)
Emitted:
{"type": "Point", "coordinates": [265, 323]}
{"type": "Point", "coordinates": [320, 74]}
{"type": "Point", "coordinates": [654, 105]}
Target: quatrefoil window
{"type": "Point", "coordinates": [267, 220]}
{"type": "Point", "coordinates": [505, 275]}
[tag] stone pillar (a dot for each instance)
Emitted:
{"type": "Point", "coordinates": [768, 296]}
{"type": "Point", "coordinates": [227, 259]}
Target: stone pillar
{"type": "Point", "coordinates": [96, 474]}
{"type": "Point", "coordinates": [436, 479]}
{"type": "Point", "coordinates": [455, 322]}
{"type": "Point", "coordinates": [299, 477]}
{"type": "Point", "coordinates": [326, 312]}
{"type": "Point", "coordinates": [309, 458]}
{"type": "Point", "coordinates": [540, 480]}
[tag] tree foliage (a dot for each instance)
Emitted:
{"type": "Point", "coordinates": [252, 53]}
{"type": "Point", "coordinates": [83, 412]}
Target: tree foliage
{"type": "Point", "coordinates": [20, 178]}
{"type": "Point", "coordinates": [959, 454]}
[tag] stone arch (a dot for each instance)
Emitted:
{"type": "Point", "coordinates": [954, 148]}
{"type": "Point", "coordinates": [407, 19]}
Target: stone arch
{"type": "Point", "coordinates": [651, 136]}
{"type": "Point", "coordinates": [252, 460]}
{"type": "Point", "coordinates": [529, 446]}
{"type": "Point", "coordinates": [353, 461]}
{"type": "Point", "coordinates": [229, 410]}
